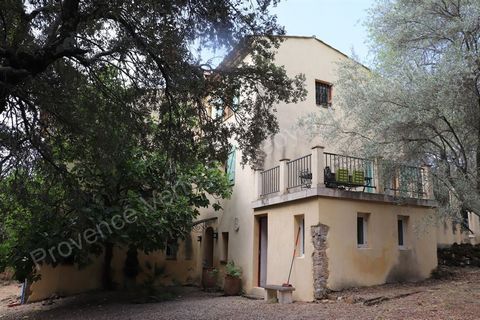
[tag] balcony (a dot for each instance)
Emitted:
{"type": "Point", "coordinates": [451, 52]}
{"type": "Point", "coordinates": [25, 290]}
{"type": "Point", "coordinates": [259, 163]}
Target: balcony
{"type": "Point", "coordinates": [327, 174]}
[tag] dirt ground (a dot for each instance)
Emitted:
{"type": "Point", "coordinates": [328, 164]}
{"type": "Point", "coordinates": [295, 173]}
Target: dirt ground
{"type": "Point", "coordinates": [455, 298]}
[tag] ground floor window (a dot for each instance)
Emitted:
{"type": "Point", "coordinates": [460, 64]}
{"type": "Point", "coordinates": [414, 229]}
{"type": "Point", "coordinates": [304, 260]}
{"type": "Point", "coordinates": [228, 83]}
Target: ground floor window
{"type": "Point", "coordinates": [224, 247]}
{"type": "Point", "coordinates": [300, 234]}
{"type": "Point", "coordinates": [171, 250]}
{"type": "Point", "coordinates": [362, 228]}
{"type": "Point", "coordinates": [402, 230]}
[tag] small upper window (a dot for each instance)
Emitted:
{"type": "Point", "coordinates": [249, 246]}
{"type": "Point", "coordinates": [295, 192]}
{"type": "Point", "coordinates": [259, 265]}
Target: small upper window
{"type": "Point", "coordinates": [323, 93]}
{"type": "Point", "coordinates": [232, 107]}
{"type": "Point", "coordinates": [218, 113]}
{"type": "Point", "coordinates": [230, 166]}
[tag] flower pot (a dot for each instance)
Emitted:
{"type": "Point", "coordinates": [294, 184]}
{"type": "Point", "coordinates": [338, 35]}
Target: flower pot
{"type": "Point", "coordinates": [209, 278]}
{"type": "Point", "coordinates": [232, 286]}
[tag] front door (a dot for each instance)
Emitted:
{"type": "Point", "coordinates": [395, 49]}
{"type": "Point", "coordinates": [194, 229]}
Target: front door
{"type": "Point", "coordinates": [208, 248]}
{"type": "Point", "coordinates": [262, 251]}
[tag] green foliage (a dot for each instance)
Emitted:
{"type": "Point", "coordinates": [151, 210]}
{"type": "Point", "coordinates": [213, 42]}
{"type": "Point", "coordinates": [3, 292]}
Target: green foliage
{"type": "Point", "coordinates": [419, 103]}
{"type": "Point", "coordinates": [111, 168]}
{"type": "Point", "coordinates": [232, 270]}
{"type": "Point", "coordinates": [213, 272]}
{"type": "Point", "coordinates": [154, 47]}
{"type": "Point", "coordinates": [118, 119]}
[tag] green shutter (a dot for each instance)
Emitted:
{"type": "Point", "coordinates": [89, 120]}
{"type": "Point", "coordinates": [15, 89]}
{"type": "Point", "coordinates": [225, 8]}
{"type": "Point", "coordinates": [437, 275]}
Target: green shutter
{"type": "Point", "coordinates": [231, 166]}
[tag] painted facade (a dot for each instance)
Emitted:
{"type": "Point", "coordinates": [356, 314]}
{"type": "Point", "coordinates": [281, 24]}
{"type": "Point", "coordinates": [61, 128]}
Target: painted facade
{"type": "Point", "coordinates": [259, 233]}
{"type": "Point", "coordinates": [449, 232]}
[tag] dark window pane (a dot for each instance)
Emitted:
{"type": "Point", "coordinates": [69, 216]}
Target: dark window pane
{"type": "Point", "coordinates": [322, 93]}
{"type": "Point", "coordinates": [400, 232]}
{"type": "Point", "coordinates": [360, 231]}
{"type": "Point", "coordinates": [171, 249]}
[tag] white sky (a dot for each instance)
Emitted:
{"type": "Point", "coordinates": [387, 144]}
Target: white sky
{"type": "Point", "coordinates": [337, 22]}
{"type": "Point", "coordinates": [340, 23]}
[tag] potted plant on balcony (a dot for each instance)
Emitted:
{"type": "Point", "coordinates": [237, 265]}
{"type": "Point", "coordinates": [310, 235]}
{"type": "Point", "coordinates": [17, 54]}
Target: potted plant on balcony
{"type": "Point", "coordinates": [233, 280]}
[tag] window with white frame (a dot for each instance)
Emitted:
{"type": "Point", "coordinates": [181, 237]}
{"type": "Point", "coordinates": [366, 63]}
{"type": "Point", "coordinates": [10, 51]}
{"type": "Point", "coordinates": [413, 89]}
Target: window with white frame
{"type": "Point", "coordinates": [362, 229]}
{"type": "Point", "coordinates": [402, 224]}
{"type": "Point", "coordinates": [300, 235]}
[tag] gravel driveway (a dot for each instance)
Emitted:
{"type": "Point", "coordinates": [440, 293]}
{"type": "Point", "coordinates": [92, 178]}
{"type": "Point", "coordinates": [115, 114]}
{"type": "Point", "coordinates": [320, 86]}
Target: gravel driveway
{"type": "Point", "coordinates": [457, 298]}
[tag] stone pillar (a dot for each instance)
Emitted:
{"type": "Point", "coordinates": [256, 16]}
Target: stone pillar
{"type": "Point", "coordinates": [318, 164]}
{"type": "Point", "coordinates": [283, 176]}
{"type": "Point", "coordinates": [427, 180]}
{"type": "Point", "coordinates": [378, 179]}
{"type": "Point", "coordinates": [320, 260]}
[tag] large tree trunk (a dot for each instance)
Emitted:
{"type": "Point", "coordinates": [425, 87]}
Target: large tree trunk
{"type": "Point", "coordinates": [477, 158]}
{"type": "Point", "coordinates": [107, 267]}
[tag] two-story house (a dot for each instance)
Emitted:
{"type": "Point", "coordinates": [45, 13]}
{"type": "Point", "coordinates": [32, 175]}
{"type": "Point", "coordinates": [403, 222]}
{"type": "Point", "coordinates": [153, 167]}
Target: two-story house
{"type": "Point", "coordinates": [346, 227]}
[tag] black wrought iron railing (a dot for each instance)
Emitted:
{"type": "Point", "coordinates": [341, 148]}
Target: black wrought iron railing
{"type": "Point", "coordinates": [405, 181]}
{"type": "Point", "coordinates": [300, 172]}
{"type": "Point", "coordinates": [270, 181]}
{"type": "Point", "coordinates": [349, 172]}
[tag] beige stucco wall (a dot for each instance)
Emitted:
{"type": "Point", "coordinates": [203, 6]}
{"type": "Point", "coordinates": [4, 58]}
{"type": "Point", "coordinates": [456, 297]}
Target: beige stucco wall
{"type": "Point", "coordinates": [474, 225]}
{"type": "Point", "coordinates": [349, 266]}
{"type": "Point", "coordinates": [68, 280]}
{"type": "Point", "coordinates": [316, 61]}
{"type": "Point", "coordinates": [447, 234]}
{"type": "Point", "coordinates": [281, 243]}
{"type": "Point", "coordinates": [382, 260]}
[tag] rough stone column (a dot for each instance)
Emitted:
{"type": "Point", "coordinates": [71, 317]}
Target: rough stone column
{"type": "Point", "coordinates": [320, 260]}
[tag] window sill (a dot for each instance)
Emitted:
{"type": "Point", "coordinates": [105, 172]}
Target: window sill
{"type": "Point", "coordinates": [362, 246]}
{"type": "Point", "coordinates": [324, 105]}
{"type": "Point", "coordinates": [403, 248]}
{"type": "Point", "coordinates": [302, 256]}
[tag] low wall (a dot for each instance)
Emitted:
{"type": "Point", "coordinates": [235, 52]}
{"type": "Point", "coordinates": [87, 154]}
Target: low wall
{"type": "Point", "coordinates": [65, 280]}
{"type": "Point", "coordinates": [459, 255]}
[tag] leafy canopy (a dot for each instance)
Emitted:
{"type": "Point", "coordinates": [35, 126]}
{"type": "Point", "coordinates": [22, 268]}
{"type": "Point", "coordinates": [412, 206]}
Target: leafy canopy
{"type": "Point", "coordinates": [105, 104]}
{"type": "Point", "coordinates": [420, 102]}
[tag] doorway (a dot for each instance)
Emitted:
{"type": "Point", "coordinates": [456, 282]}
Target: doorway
{"type": "Point", "coordinates": [262, 251]}
{"type": "Point", "coordinates": [208, 248]}
{"type": "Point", "coordinates": [209, 279]}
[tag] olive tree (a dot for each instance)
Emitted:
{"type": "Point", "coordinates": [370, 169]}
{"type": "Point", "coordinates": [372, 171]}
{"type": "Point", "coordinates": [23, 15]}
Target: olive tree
{"type": "Point", "coordinates": [419, 102]}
